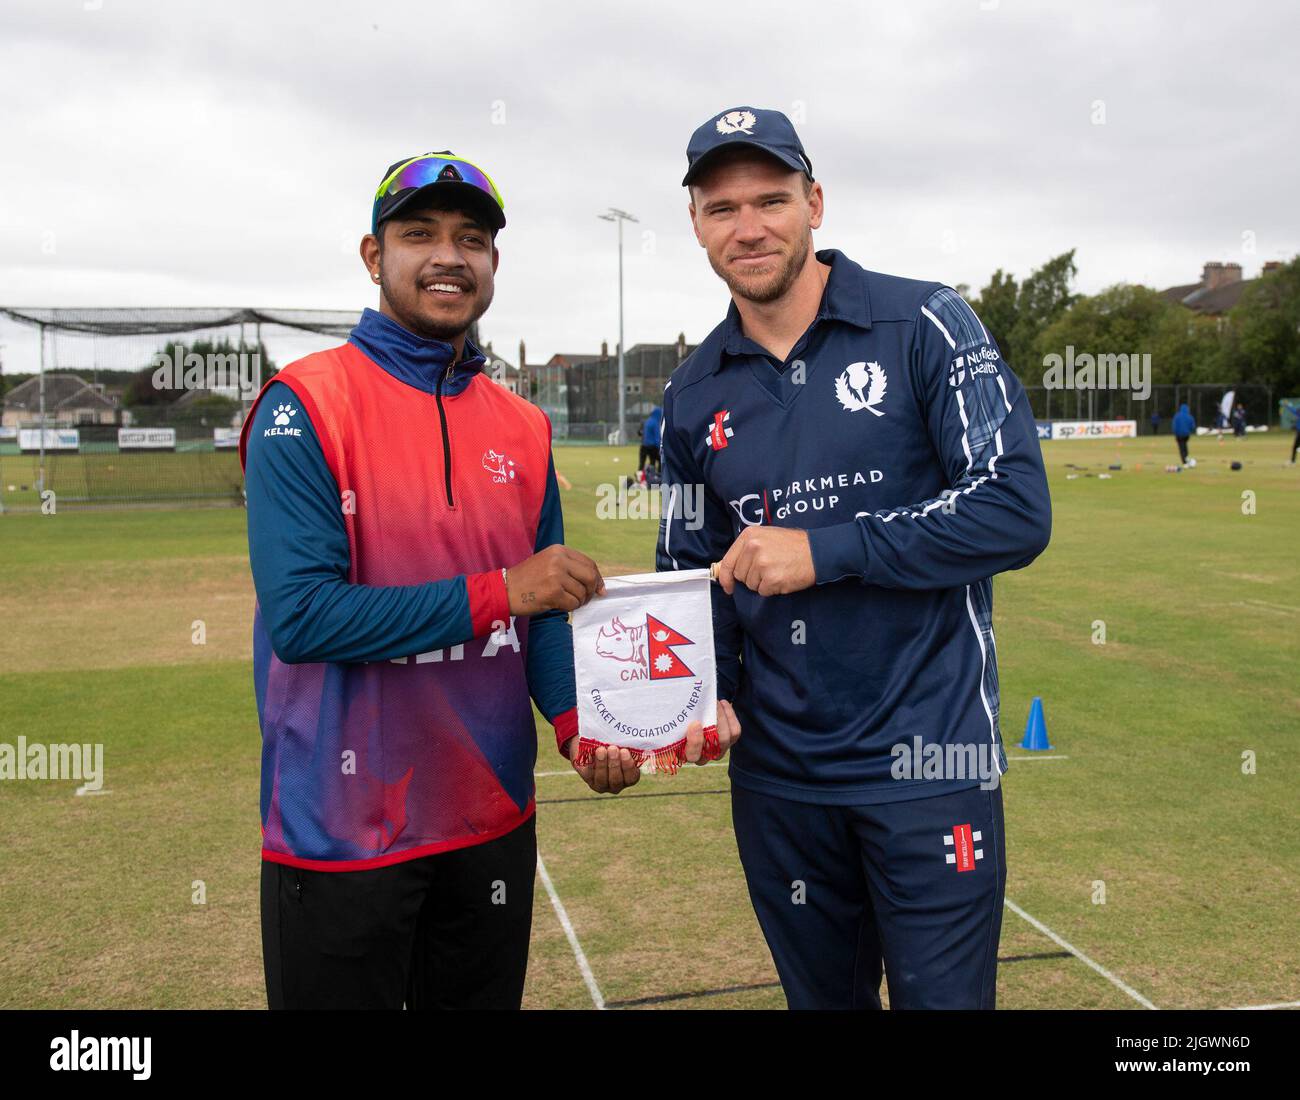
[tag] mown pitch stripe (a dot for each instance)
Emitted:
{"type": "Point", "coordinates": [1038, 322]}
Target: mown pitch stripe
{"type": "Point", "coordinates": [587, 976]}
{"type": "Point", "coordinates": [1078, 954]}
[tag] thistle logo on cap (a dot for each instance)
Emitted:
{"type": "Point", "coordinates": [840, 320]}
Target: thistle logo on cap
{"type": "Point", "coordinates": [769, 131]}
{"type": "Point", "coordinates": [736, 122]}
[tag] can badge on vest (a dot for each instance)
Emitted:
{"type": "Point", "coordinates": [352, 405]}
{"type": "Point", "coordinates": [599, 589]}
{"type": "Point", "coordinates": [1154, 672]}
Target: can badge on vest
{"type": "Point", "coordinates": [643, 656]}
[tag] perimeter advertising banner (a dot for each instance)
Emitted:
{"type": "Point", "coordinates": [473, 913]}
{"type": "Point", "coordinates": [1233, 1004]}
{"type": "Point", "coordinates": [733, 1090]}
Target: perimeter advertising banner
{"type": "Point", "coordinates": [1087, 429]}
{"type": "Point", "coordinates": [146, 439]}
{"type": "Point", "coordinates": [56, 439]}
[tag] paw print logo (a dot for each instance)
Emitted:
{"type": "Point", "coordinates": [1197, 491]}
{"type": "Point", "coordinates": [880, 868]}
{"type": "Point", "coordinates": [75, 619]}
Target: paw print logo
{"type": "Point", "coordinates": [282, 414]}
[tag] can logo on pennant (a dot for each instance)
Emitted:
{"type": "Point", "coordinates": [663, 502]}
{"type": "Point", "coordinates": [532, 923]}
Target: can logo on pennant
{"type": "Point", "coordinates": [647, 649]}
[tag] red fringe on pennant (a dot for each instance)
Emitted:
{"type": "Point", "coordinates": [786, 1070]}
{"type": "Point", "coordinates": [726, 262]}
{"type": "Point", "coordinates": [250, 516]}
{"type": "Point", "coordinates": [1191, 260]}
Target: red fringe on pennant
{"type": "Point", "coordinates": [667, 760]}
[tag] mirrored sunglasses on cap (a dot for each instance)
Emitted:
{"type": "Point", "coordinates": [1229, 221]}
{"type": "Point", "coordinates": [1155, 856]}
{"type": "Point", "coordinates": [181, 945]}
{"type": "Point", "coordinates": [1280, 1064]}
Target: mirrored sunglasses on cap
{"type": "Point", "coordinates": [435, 168]}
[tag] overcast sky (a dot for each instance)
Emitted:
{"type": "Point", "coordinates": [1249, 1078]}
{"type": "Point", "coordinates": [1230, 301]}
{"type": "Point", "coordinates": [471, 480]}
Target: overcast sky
{"type": "Point", "coordinates": [225, 153]}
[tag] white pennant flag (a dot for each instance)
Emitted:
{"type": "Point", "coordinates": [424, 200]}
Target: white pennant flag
{"type": "Point", "coordinates": [643, 654]}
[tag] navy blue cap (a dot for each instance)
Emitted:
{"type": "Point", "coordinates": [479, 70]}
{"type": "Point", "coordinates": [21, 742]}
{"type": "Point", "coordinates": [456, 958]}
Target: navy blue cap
{"type": "Point", "coordinates": [769, 131]}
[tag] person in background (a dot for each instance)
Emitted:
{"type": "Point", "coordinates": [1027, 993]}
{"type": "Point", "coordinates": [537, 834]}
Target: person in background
{"type": "Point", "coordinates": [1294, 408]}
{"type": "Point", "coordinates": [1184, 426]}
{"type": "Point", "coordinates": [1155, 423]}
{"type": "Point", "coordinates": [651, 431]}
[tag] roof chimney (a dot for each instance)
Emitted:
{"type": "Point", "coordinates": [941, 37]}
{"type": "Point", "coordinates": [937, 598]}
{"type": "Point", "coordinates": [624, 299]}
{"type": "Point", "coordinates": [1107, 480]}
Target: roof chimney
{"type": "Point", "coordinates": [521, 355]}
{"type": "Point", "coordinates": [1272, 265]}
{"type": "Point", "coordinates": [604, 349]}
{"type": "Point", "coordinates": [681, 345]}
{"type": "Point", "coordinates": [1216, 274]}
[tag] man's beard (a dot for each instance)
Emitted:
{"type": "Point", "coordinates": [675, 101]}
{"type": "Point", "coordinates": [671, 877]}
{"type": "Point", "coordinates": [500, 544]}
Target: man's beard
{"type": "Point", "coordinates": [435, 330]}
{"type": "Point", "coordinates": [772, 286]}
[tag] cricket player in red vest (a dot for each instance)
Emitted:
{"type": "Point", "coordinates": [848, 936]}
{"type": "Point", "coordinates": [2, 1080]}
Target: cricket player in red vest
{"type": "Point", "coordinates": [406, 544]}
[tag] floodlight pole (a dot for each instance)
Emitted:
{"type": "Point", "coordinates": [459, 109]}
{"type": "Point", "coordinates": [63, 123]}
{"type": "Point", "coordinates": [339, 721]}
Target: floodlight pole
{"type": "Point", "coordinates": [40, 479]}
{"type": "Point", "coordinates": [619, 216]}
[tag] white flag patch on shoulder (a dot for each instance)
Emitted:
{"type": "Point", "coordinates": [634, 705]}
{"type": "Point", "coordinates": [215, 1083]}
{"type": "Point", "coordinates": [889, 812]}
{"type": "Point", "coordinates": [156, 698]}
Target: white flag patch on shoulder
{"type": "Point", "coordinates": [643, 656]}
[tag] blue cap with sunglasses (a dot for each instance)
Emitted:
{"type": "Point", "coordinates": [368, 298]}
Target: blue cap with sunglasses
{"type": "Point", "coordinates": [769, 131]}
{"type": "Point", "coordinates": [453, 176]}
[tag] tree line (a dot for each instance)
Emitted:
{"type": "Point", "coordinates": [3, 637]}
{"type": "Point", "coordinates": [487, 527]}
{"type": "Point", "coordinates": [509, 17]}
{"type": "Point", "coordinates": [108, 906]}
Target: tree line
{"type": "Point", "coordinates": [1256, 342]}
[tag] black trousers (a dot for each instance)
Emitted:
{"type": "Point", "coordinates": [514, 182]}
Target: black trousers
{"type": "Point", "coordinates": [648, 456]}
{"type": "Point", "coordinates": [1182, 447]}
{"type": "Point", "coordinates": [1296, 445]}
{"type": "Point", "coordinates": [443, 931]}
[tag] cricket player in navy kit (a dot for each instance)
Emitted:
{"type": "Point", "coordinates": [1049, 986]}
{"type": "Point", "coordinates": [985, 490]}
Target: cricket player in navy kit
{"type": "Point", "coordinates": [854, 451]}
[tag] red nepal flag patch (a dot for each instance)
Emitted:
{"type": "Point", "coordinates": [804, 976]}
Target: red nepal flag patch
{"type": "Point", "coordinates": [962, 843]}
{"type": "Point", "coordinates": [664, 663]}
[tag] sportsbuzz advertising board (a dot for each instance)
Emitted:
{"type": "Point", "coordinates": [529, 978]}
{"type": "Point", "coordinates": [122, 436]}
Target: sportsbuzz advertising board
{"type": "Point", "coordinates": [1088, 429]}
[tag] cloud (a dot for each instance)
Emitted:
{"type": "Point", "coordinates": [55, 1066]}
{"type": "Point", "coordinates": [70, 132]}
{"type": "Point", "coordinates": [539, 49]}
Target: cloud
{"type": "Point", "coordinates": [201, 154]}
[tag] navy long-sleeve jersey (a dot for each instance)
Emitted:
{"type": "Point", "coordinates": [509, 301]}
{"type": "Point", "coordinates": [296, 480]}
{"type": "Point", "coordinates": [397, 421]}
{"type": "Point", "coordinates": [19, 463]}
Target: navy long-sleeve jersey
{"type": "Point", "coordinates": [897, 436]}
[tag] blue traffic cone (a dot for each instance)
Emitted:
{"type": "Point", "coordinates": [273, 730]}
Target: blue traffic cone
{"type": "Point", "coordinates": [1036, 728]}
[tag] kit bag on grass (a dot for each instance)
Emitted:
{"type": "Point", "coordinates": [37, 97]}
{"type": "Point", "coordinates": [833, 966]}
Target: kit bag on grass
{"type": "Point", "coordinates": [643, 654]}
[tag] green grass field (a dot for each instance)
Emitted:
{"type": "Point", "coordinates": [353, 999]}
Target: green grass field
{"type": "Point", "coordinates": [1144, 790]}
{"type": "Point", "coordinates": [105, 477]}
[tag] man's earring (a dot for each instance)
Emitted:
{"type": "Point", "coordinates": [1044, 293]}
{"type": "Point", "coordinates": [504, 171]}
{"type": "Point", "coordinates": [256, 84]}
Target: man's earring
{"type": "Point", "coordinates": [375, 275]}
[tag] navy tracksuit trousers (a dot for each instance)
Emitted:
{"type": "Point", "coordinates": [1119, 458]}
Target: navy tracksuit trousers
{"type": "Point", "coordinates": [914, 887]}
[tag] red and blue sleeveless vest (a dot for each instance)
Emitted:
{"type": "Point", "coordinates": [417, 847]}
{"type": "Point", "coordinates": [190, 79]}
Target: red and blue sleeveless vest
{"type": "Point", "coordinates": [372, 763]}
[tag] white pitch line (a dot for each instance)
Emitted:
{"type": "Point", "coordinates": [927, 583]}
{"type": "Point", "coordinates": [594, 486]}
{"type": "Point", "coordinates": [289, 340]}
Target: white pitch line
{"type": "Point", "coordinates": [1286, 607]}
{"type": "Point", "coordinates": [1038, 758]}
{"type": "Point", "coordinates": [587, 976]}
{"type": "Point", "coordinates": [1260, 1008]}
{"type": "Point", "coordinates": [1078, 954]}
